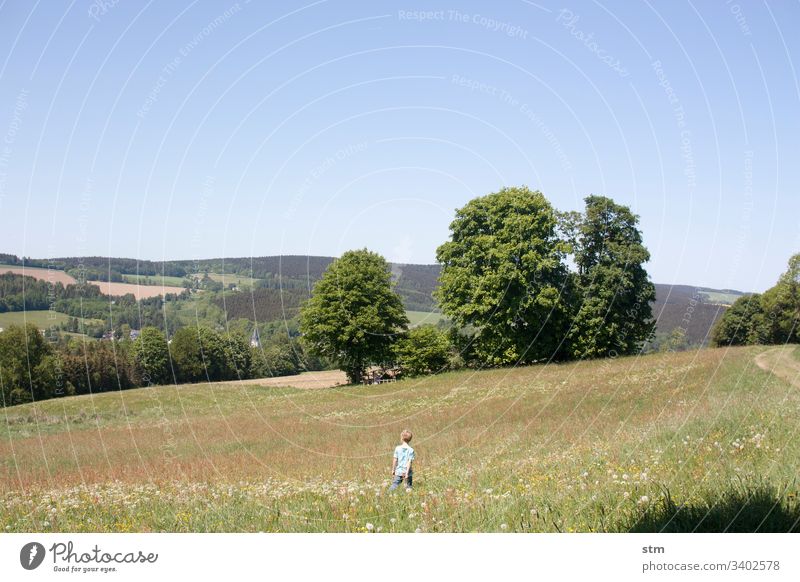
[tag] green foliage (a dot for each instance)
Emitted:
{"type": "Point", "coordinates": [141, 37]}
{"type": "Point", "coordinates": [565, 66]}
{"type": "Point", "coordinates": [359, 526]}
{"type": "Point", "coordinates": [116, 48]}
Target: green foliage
{"type": "Point", "coordinates": [152, 356]}
{"type": "Point", "coordinates": [202, 354]}
{"type": "Point", "coordinates": [187, 355]}
{"type": "Point", "coordinates": [503, 272]}
{"type": "Point", "coordinates": [26, 366]}
{"type": "Point", "coordinates": [278, 356]}
{"type": "Point", "coordinates": [770, 318]}
{"type": "Point", "coordinates": [26, 293]}
{"type": "Point", "coordinates": [742, 324]}
{"type": "Point", "coordinates": [614, 316]}
{"type": "Point", "coordinates": [781, 305]}
{"type": "Point", "coordinates": [214, 357]}
{"type": "Point", "coordinates": [238, 356]}
{"type": "Point", "coordinates": [89, 367]}
{"type": "Point", "coordinates": [353, 316]}
{"type": "Point", "coordinates": [424, 350]}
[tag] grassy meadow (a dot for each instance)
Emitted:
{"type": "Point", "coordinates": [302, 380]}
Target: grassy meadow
{"type": "Point", "coordinates": [692, 441]}
{"type": "Point", "coordinates": [42, 318]}
{"type": "Point", "coordinates": [159, 280]}
{"type": "Point", "coordinates": [423, 317]}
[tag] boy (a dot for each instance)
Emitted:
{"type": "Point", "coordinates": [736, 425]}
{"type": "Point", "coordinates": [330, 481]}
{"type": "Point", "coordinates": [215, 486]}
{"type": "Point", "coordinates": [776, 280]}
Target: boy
{"type": "Point", "coordinates": [401, 464]}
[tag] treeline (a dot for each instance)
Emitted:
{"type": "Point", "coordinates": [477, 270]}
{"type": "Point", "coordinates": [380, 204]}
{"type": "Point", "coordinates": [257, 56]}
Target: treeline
{"type": "Point", "coordinates": [103, 265]}
{"type": "Point", "coordinates": [25, 293]}
{"type": "Point", "coordinates": [772, 317]}
{"type": "Point", "coordinates": [35, 367]}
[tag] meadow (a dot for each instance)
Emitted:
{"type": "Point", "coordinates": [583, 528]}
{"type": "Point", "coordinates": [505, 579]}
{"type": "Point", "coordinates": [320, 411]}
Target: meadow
{"type": "Point", "coordinates": [691, 441]}
{"type": "Point", "coordinates": [41, 318]}
{"type": "Point", "coordinates": [423, 317]}
{"type": "Point", "coordinates": [155, 280]}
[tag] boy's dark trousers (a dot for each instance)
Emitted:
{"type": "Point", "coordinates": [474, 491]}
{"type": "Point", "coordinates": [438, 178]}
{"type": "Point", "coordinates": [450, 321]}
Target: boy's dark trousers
{"type": "Point", "coordinates": [399, 479]}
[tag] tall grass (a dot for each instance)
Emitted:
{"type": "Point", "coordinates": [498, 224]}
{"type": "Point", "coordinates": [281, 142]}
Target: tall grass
{"type": "Point", "coordinates": [700, 440]}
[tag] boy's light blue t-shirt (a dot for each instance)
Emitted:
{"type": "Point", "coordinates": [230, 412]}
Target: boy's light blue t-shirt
{"type": "Point", "coordinates": [404, 455]}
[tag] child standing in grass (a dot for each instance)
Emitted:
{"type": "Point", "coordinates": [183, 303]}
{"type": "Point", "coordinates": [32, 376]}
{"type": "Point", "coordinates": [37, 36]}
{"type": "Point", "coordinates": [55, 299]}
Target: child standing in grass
{"type": "Point", "coordinates": [401, 464]}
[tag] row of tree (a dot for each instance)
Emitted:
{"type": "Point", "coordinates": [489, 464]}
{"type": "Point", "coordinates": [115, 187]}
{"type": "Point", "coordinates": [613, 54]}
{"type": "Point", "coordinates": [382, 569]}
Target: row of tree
{"type": "Point", "coordinates": [505, 283]}
{"type": "Point", "coordinates": [36, 367]}
{"type": "Point", "coordinates": [772, 317]}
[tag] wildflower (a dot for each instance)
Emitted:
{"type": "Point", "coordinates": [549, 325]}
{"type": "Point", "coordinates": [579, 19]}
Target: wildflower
{"type": "Point", "coordinates": [418, 530]}
{"type": "Point", "coordinates": [392, 520]}
{"type": "Point", "coordinates": [626, 495]}
{"type": "Point", "coordinates": [408, 489]}
{"type": "Point", "coordinates": [643, 499]}
{"type": "Point", "coordinates": [370, 527]}
{"type": "Point", "coordinates": [503, 526]}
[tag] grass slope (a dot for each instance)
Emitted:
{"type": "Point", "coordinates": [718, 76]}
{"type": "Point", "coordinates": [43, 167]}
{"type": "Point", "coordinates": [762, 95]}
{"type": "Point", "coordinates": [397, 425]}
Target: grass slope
{"type": "Point", "coordinates": [42, 318]}
{"type": "Point", "coordinates": [423, 318]}
{"type": "Point", "coordinates": [702, 440]}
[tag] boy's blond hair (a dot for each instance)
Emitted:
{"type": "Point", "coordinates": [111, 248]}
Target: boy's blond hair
{"type": "Point", "coordinates": [406, 435]}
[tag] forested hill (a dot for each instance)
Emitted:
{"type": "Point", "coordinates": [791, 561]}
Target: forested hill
{"type": "Point", "coordinates": [691, 309]}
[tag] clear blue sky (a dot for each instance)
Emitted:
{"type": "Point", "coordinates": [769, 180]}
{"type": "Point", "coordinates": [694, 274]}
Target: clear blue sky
{"type": "Point", "coordinates": [188, 130]}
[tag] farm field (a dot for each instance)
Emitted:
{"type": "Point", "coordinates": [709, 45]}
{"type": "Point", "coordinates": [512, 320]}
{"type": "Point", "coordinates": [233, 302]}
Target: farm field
{"type": "Point", "coordinates": [235, 279]}
{"type": "Point", "coordinates": [720, 297]}
{"type": "Point", "coordinates": [423, 318]}
{"type": "Point", "coordinates": [51, 275]}
{"type": "Point", "coordinates": [702, 440]}
{"type": "Point", "coordinates": [153, 280]}
{"type": "Point", "coordinates": [43, 319]}
{"type": "Point", "coordinates": [138, 291]}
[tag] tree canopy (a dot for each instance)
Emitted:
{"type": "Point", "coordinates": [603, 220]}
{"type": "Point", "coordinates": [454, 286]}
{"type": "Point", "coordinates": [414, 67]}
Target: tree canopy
{"type": "Point", "coordinates": [503, 272]}
{"type": "Point", "coordinates": [614, 316]}
{"type": "Point", "coordinates": [770, 318]}
{"type": "Point", "coordinates": [353, 315]}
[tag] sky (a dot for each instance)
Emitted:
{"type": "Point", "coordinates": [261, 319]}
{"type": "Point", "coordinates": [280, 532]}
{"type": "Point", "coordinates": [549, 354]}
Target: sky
{"type": "Point", "coordinates": [185, 130]}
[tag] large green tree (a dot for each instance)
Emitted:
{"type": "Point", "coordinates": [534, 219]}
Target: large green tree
{"type": "Point", "coordinates": [770, 318]}
{"type": "Point", "coordinates": [27, 366]}
{"type": "Point", "coordinates": [152, 356]}
{"type": "Point", "coordinates": [613, 315]}
{"type": "Point", "coordinates": [743, 323]}
{"type": "Point", "coordinates": [187, 355]}
{"type": "Point", "coordinates": [503, 272]}
{"type": "Point", "coordinates": [353, 315]}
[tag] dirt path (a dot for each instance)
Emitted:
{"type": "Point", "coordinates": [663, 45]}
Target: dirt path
{"type": "Point", "coordinates": [306, 380]}
{"type": "Point", "coordinates": [782, 363]}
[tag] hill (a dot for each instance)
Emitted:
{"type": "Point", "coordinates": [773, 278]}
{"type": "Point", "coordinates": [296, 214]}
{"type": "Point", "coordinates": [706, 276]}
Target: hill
{"type": "Point", "coordinates": [279, 284]}
{"type": "Point", "coordinates": [677, 441]}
